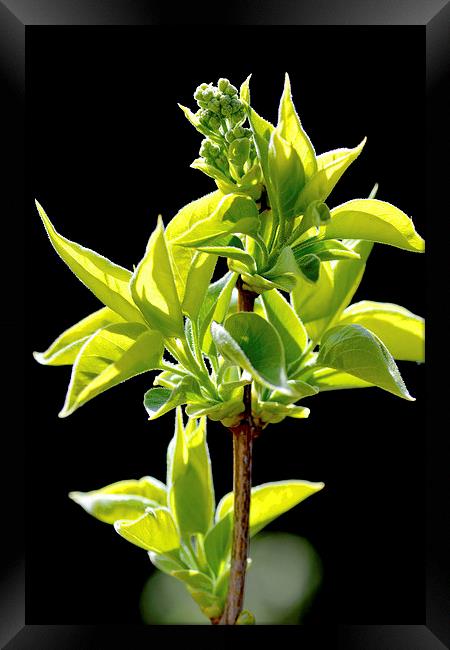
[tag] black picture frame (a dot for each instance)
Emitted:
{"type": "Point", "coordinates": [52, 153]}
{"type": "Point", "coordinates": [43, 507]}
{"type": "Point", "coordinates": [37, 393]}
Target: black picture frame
{"type": "Point", "coordinates": [16, 18]}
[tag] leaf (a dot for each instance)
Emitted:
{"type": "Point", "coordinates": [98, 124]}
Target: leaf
{"type": "Point", "coordinates": [262, 131]}
{"type": "Point", "coordinates": [373, 220]}
{"type": "Point", "coordinates": [197, 282]}
{"type": "Point", "coordinates": [325, 250]}
{"type": "Point", "coordinates": [269, 501]}
{"type": "Point", "coordinates": [286, 174]}
{"type": "Point", "coordinates": [218, 543]}
{"type": "Point", "coordinates": [159, 401]}
{"type": "Point", "coordinates": [402, 332]}
{"type": "Point", "coordinates": [122, 500]}
{"type": "Point", "coordinates": [189, 478]}
{"type": "Point", "coordinates": [244, 91]}
{"type": "Point", "coordinates": [331, 166]}
{"type": "Point", "coordinates": [253, 344]}
{"type": "Point", "coordinates": [110, 356]}
{"type": "Point", "coordinates": [320, 305]}
{"type": "Point", "coordinates": [233, 253]}
{"type": "Point", "coordinates": [184, 219]}
{"type": "Point", "coordinates": [309, 265]}
{"type": "Point", "coordinates": [215, 307]}
{"type": "Point", "coordinates": [330, 379]}
{"type": "Point", "coordinates": [288, 325]}
{"type": "Point", "coordinates": [193, 119]}
{"type": "Point", "coordinates": [291, 130]}
{"type": "Point", "coordinates": [194, 580]}
{"type": "Point", "coordinates": [272, 412]}
{"type": "Point", "coordinates": [64, 350]}
{"type": "Point", "coordinates": [357, 351]}
{"type": "Point", "coordinates": [108, 281]}
{"type": "Point", "coordinates": [153, 287]}
{"type": "Point", "coordinates": [234, 214]}
{"type": "Point", "coordinates": [154, 531]}
{"type": "Point", "coordinates": [164, 563]}
{"type": "Point", "coordinates": [285, 270]}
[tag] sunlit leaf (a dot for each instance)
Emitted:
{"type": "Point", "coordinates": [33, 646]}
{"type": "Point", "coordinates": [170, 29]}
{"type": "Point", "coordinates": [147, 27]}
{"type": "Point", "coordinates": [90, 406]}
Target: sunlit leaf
{"type": "Point", "coordinates": [122, 500]}
{"type": "Point", "coordinates": [291, 130]}
{"type": "Point", "coordinates": [357, 351]}
{"type": "Point", "coordinates": [402, 332]}
{"type": "Point", "coordinates": [270, 500]}
{"type": "Point", "coordinates": [154, 531]}
{"type": "Point", "coordinates": [108, 281]}
{"type": "Point", "coordinates": [375, 221]}
{"type": "Point", "coordinates": [64, 350]}
{"type": "Point", "coordinates": [110, 356]}
{"type": "Point", "coordinates": [153, 287]}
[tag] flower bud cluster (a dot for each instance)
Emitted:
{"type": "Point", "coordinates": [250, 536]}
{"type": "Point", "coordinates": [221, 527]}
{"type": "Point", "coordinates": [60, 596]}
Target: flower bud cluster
{"type": "Point", "coordinates": [219, 105]}
{"type": "Point", "coordinates": [228, 147]}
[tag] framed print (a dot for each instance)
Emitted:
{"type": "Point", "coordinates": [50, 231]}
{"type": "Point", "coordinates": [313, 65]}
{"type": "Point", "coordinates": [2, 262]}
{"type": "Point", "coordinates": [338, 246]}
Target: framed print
{"type": "Point", "coordinates": [96, 135]}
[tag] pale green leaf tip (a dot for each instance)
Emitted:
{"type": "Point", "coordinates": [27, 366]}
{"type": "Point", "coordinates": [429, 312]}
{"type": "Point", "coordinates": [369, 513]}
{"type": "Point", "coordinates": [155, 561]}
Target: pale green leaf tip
{"type": "Point", "coordinates": [65, 411]}
{"type": "Point", "coordinates": [39, 357]}
{"type": "Point", "coordinates": [78, 497]}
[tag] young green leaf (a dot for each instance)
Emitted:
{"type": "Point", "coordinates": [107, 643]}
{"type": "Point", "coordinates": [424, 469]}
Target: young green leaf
{"type": "Point", "coordinates": [153, 287]}
{"type": "Point", "coordinates": [262, 130]}
{"type": "Point", "coordinates": [234, 214]}
{"type": "Point", "coordinates": [286, 174]}
{"type": "Point", "coordinates": [189, 478]}
{"type": "Point", "coordinates": [309, 266]}
{"type": "Point", "coordinates": [253, 344]}
{"type": "Point", "coordinates": [288, 325]}
{"type": "Point", "coordinates": [64, 350]}
{"type": "Point", "coordinates": [330, 167]}
{"type": "Point", "coordinates": [122, 500]}
{"type": "Point", "coordinates": [197, 282]}
{"type": "Point", "coordinates": [320, 305]}
{"type": "Point", "coordinates": [195, 580]}
{"type": "Point", "coordinates": [110, 356]}
{"type": "Point", "coordinates": [273, 412]}
{"type": "Point", "coordinates": [285, 271]}
{"type": "Point", "coordinates": [218, 543]}
{"type": "Point", "coordinates": [108, 281]}
{"type": "Point", "coordinates": [357, 351]}
{"type": "Point", "coordinates": [291, 130]}
{"type": "Point", "coordinates": [402, 332]}
{"type": "Point", "coordinates": [184, 219]}
{"type": "Point", "coordinates": [326, 250]}
{"type": "Point", "coordinates": [375, 221]}
{"type": "Point", "coordinates": [215, 307]}
{"type": "Point", "coordinates": [269, 501]}
{"type": "Point", "coordinates": [154, 531]}
{"type": "Point", "coordinates": [329, 379]}
{"type": "Point", "coordinates": [159, 401]}
{"type": "Point", "coordinates": [166, 564]}
{"type": "Point", "coordinates": [232, 253]}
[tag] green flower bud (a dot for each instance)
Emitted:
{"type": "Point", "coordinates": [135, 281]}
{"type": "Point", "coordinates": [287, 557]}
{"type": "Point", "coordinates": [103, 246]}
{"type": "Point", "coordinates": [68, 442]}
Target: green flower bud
{"type": "Point", "coordinates": [207, 94]}
{"type": "Point", "coordinates": [239, 132]}
{"type": "Point", "coordinates": [199, 91]}
{"type": "Point", "coordinates": [203, 116]}
{"type": "Point", "coordinates": [209, 150]}
{"type": "Point", "coordinates": [229, 136]}
{"type": "Point", "coordinates": [214, 105]}
{"type": "Point", "coordinates": [226, 87]}
{"type": "Point", "coordinates": [236, 104]}
{"type": "Point", "coordinates": [214, 122]}
{"type": "Point", "coordinates": [226, 110]}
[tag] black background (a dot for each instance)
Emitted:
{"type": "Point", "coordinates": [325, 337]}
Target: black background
{"type": "Point", "coordinates": [110, 150]}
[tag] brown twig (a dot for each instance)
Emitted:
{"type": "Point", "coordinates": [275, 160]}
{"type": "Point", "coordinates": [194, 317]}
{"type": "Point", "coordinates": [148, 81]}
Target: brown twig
{"type": "Point", "coordinates": [243, 435]}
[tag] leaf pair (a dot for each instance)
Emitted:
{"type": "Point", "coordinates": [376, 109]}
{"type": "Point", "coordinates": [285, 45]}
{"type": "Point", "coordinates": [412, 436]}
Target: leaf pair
{"type": "Point", "coordinates": [165, 520]}
{"type": "Point", "coordinates": [143, 309]}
